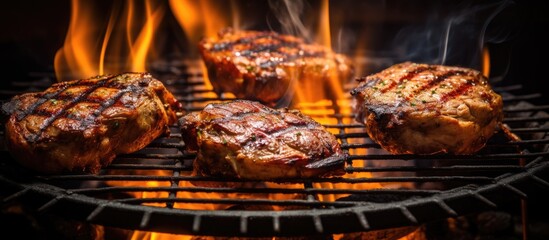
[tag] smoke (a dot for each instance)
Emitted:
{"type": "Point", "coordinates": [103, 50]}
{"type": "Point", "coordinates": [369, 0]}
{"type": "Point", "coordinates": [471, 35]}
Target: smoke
{"type": "Point", "coordinates": [382, 33]}
{"type": "Point", "coordinates": [454, 38]}
{"type": "Point", "coordinates": [289, 14]}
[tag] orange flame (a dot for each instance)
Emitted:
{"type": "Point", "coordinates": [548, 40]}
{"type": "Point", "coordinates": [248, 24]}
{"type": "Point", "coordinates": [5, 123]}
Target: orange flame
{"type": "Point", "coordinates": [91, 50]}
{"type": "Point", "coordinates": [203, 18]}
{"type": "Point", "coordinates": [486, 61]}
{"type": "Point", "coordinates": [310, 93]}
{"type": "Point", "coordinates": [324, 35]}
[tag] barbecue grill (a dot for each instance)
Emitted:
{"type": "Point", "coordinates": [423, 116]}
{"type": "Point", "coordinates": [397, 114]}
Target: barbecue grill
{"type": "Point", "coordinates": [381, 196]}
{"type": "Point", "coordinates": [153, 189]}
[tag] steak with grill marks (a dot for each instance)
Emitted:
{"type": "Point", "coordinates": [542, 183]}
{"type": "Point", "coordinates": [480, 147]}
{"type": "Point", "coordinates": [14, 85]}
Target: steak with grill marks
{"type": "Point", "coordinates": [246, 139]}
{"type": "Point", "coordinates": [81, 125]}
{"type": "Point", "coordinates": [267, 66]}
{"type": "Point", "coordinates": [426, 109]}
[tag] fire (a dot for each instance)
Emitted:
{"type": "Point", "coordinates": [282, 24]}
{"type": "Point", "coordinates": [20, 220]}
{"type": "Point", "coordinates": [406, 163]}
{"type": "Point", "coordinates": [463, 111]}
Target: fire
{"type": "Point", "coordinates": [203, 18]}
{"type": "Point", "coordinates": [486, 61]}
{"type": "Point", "coordinates": [124, 43]}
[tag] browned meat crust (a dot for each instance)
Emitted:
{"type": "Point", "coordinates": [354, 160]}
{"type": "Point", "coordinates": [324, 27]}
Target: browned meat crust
{"type": "Point", "coordinates": [248, 140]}
{"type": "Point", "coordinates": [265, 66]}
{"type": "Point", "coordinates": [82, 125]}
{"type": "Point", "coordinates": [425, 109]}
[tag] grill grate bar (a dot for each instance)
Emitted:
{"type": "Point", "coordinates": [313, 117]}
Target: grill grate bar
{"type": "Point", "coordinates": [174, 185]}
{"type": "Point", "coordinates": [540, 181]}
{"type": "Point", "coordinates": [445, 206]}
{"type": "Point", "coordinates": [483, 199]}
{"type": "Point", "coordinates": [514, 190]}
{"type": "Point", "coordinates": [96, 212]}
{"type": "Point", "coordinates": [237, 201]}
{"type": "Point", "coordinates": [318, 224]}
{"type": "Point", "coordinates": [513, 98]}
{"type": "Point", "coordinates": [150, 167]}
{"type": "Point", "coordinates": [155, 155]}
{"type": "Point", "coordinates": [351, 135]}
{"type": "Point", "coordinates": [15, 196]}
{"type": "Point", "coordinates": [537, 161]}
{"type": "Point", "coordinates": [244, 224]}
{"type": "Point", "coordinates": [196, 223]}
{"type": "Point", "coordinates": [530, 130]}
{"type": "Point", "coordinates": [525, 119]}
{"type": "Point", "coordinates": [488, 157]}
{"type": "Point", "coordinates": [312, 190]}
{"type": "Point", "coordinates": [359, 145]}
{"type": "Point", "coordinates": [408, 215]}
{"type": "Point", "coordinates": [523, 142]}
{"type": "Point", "coordinates": [50, 203]}
{"type": "Point", "coordinates": [145, 219]}
{"type": "Point", "coordinates": [316, 180]}
{"type": "Point", "coordinates": [467, 168]}
{"type": "Point", "coordinates": [526, 109]}
{"type": "Point", "coordinates": [362, 220]}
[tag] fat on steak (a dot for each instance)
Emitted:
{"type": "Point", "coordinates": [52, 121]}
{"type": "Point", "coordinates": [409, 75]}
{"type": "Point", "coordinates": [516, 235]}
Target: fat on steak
{"type": "Point", "coordinates": [81, 125]}
{"type": "Point", "coordinates": [413, 108]}
{"type": "Point", "coordinates": [248, 140]}
{"type": "Point", "coordinates": [266, 66]}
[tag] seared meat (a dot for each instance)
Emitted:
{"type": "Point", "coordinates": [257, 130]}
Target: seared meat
{"type": "Point", "coordinates": [82, 125]}
{"type": "Point", "coordinates": [248, 140]}
{"type": "Point", "coordinates": [426, 109]}
{"type": "Point", "coordinates": [267, 67]}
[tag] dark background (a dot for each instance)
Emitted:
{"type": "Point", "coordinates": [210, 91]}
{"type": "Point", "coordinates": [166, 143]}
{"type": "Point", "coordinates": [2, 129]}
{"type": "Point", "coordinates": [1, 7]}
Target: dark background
{"type": "Point", "coordinates": [32, 31]}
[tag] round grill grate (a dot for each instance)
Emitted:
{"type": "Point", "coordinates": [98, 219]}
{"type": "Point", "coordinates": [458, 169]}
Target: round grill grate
{"type": "Point", "coordinates": [153, 189]}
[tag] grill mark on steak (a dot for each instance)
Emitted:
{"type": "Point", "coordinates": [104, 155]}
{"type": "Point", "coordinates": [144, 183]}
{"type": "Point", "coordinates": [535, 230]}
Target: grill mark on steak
{"type": "Point", "coordinates": [270, 46]}
{"type": "Point", "coordinates": [457, 91]}
{"type": "Point", "coordinates": [271, 132]}
{"type": "Point", "coordinates": [45, 97]}
{"type": "Point", "coordinates": [436, 81]}
{"type": "Point", "coordinates": [264, 114]}
{"type": "Point", "coordinates": [239, 110]}
{"type": "Point", "coordinates": [82, 98]}
{"type": "Point", "coordinates": [108, 103]}
{"type": "Point", "coordinates": [409, 75]}
{"type": "Point", "coordinates": [227, 45]}
{"type": "Point", "coordinates": [275, 133]}
{"type": "Point", "coordinates": [371, 82]}
{"type": "Point", "coordinates": [48, 121]}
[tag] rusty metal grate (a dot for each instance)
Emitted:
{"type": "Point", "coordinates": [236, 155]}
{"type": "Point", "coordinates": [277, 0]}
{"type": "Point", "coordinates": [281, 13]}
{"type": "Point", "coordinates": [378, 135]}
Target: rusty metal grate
{"type": "Point", "coordinates": [153, 190]}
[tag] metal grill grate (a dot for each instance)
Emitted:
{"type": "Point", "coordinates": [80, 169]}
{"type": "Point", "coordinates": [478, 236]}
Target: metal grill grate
{"type": "Point", "coordinates": [153, 189]}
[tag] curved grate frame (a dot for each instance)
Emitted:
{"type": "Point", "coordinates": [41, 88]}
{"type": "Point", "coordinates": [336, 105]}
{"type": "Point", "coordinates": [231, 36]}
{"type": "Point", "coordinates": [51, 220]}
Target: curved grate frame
{"type": "Point", "coordinates": [153, 190]}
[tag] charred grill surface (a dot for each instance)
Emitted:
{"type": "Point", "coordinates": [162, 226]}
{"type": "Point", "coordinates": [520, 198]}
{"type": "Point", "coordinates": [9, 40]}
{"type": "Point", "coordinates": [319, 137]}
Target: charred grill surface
{"type": "Point", "coordinates": [82, 125]}
{"type": "Point", "coordinates": [267, 66]}
{"type": "Point", "coordinates": [248, 140]}
{"type": "Point", "coordinates": [425, 109]}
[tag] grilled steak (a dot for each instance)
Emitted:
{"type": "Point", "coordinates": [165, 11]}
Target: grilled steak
{"type": "Point", "coordinates": [426, 109]}
{"type": "Point", "coordinates": [82, 125]}
{"type": "Point", "coordinates": [267, 67]}
{"type": "Point", "coordinates": [248, 140]}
